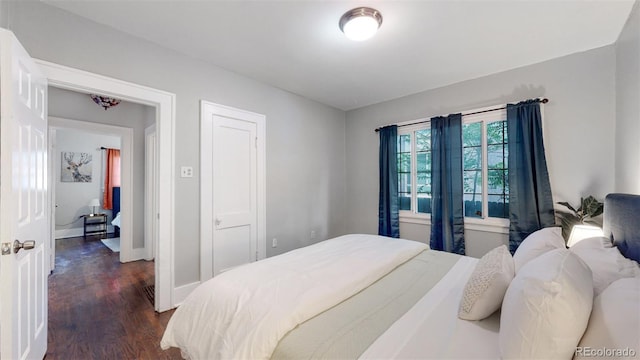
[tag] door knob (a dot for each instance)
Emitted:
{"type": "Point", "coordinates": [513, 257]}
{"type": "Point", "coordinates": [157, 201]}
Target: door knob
{"type": "Point", "coordinates": [218, 221]}
{"type": "Point", "coordinates": [27, 245]}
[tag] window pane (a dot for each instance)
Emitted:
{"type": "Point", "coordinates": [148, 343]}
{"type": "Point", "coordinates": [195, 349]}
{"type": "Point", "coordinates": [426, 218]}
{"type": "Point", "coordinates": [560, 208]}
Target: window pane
{"type": "Point", "coordinates": [472, 181]}
{"type": "Point", "coordinates": [404, 182]}
{"type": "Point", "coordinates": [424, 203]}
{"type": "Point", "coordinates": [497, 181]}
{"type": "Point", "coordinates": [404, 200]}
{"type": "Point", "coordinates": [472, 158]}
{"type": "Point", "coordinates": [473, 205]}
{"type": "Point", "coordinates": [404, 172]}
{"type": "Point", "coordinates": [496, 132]}
{"type": "Point", "coordinates": [405, 143]}
{"type": "Point", "coordinates": [497, 155]}
{"type": "Point", "coordinates": [423, 140]}
{"type": "Point", "coordinates": [471, 134]}
{"type": "Point", "coordinates": [499, 206]}
{"type": "Point", "coordinates": [424, 183]}
{"type": "Point", "coordinates": [424, 161]}
{"type": "Point", "coordinates": [404, 162]}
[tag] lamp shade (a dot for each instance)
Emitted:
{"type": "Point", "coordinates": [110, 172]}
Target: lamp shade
{"type": "Point", "coordinates": [94, 202]}
{"type": "Point", "coordinates": [581, 232]}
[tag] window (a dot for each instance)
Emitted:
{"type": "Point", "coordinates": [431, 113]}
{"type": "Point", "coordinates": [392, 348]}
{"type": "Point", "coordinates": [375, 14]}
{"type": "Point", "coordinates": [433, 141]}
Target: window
{"type": "Point", "coordinates": [485, 162]}
{"type": "Point", "coordinates": [414, 167]}
{"type": "Point", "coordinates": [485, 173]}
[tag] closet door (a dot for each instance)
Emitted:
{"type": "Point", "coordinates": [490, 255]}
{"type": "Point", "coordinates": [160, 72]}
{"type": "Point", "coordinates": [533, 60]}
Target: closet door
{"type": "Point", "coordinates": [232, 176]}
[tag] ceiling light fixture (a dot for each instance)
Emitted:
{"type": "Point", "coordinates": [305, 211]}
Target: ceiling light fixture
{"type": "Point", "coordinates": [360, 23]}
{"type": "Point", "coordinates": [105, 101]}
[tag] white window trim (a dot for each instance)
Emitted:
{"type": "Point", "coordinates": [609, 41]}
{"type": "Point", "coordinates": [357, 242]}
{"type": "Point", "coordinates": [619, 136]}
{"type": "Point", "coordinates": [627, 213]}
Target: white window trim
{"type": "Point", "coordinates": [486, 224]}
{"type": "Point", "coordinates": [413, 216]}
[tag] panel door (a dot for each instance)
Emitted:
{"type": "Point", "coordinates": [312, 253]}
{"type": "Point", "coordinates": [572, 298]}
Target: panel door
{"type": "Point", "coordinates": [234, 193]}
{"type": "Point", "coordinates": [24, 212]}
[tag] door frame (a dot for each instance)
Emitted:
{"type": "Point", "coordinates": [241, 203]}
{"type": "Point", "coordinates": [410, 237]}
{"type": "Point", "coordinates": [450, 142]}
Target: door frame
{"type": "Point", "coordinates": [207, 111]}
{"type": "Point", "coordinates": [150, 191]}
{"type": "Point", "coordinates": [164, 102]}
{"type": "Point", "coordinates": [126, 183]}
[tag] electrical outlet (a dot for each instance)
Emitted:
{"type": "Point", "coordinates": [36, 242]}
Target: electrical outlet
{"type": "Point", "coordinates": [312, 235]}
{"type": "Point", "coordinates": [186, 172]}
{"type": "Point", "coordinates": [274, 242]}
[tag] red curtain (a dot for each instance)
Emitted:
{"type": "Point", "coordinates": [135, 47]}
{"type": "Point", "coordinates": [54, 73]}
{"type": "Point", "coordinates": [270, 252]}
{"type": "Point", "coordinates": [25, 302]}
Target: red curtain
{"type": "Point", "coordinates": [111, 178]}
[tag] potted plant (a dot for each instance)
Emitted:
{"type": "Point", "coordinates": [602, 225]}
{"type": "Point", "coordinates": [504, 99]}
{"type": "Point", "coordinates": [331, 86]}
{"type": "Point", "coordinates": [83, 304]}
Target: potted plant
{"type": "Point", "coordinates": [589, 208]}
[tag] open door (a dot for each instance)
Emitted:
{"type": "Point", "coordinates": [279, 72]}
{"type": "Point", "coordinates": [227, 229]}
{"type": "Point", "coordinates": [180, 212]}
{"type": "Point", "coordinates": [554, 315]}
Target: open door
{"type": "Point", "coordinates": [24, 212]}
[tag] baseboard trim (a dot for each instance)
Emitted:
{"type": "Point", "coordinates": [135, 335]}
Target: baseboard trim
{"type": "Point", "coordinates": [68, 233]}
{"type": "Point", "coordinates": [180, 293]}
{"type": "Point", "coordinates": [138, 254]}
{"type": "Point", "coordinates": [75, 232]}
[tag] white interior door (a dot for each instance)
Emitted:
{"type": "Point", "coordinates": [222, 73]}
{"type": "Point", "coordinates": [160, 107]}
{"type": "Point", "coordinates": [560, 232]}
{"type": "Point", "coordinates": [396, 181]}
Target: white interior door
{"type": "Point", "coordinates": [23, 203]}
{"type": "Point", "coordinates": [232, 180]}
{"type": "Point", "coordinates": [234, 193]}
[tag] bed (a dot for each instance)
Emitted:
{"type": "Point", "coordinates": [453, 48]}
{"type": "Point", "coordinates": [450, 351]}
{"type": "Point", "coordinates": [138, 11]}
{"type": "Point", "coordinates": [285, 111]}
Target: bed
{"type": "Point", "coordinates": [115, 195]}
{"type": "Point", "coordinates": [371, 297]}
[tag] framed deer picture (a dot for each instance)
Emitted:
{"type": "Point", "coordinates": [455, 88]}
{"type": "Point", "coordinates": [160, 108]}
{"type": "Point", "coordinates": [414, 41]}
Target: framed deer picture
{"type": "Point", "coordinates": [76, 167]}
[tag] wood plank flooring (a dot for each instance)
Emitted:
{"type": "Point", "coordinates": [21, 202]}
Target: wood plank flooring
{"type": "Point", "coordinates": [97, 307]}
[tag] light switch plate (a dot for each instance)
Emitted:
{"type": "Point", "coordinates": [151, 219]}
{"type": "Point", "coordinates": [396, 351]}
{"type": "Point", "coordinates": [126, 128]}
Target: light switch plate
{"type": "Point", "coordinates": [186, 172]}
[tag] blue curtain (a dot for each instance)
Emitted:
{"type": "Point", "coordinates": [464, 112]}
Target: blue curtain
{"type": "Point", "coordinates": [388, 215]}
{"type": "Point", "coordinates": [447, 215]}
{"type": "Point", "coordinates": [530, 201]}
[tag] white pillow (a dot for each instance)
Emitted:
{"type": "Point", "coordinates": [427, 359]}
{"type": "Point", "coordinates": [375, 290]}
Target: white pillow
{"type": "Point", "coordinates": [538, 243]}
{"type": "Point", "coordinates": [489, 281]}
{"type": "Point", "coordinates": [606, 264]}
{"type": "Point", "coordinates": [614, 324]}
{"type": "Point", "coordinates": [546, 308]}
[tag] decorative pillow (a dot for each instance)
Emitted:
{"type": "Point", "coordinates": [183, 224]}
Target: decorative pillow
{"type": "Point", "coordinates": [546, 308]}
{"type": "Point", "coordinates": [606, 264]}
{"type": "Point", "coordinates": [538, 243]}
{"type": "Point", "coordinates": [489, 281]}
{"type": "Point", "coordinates": [614, 326]}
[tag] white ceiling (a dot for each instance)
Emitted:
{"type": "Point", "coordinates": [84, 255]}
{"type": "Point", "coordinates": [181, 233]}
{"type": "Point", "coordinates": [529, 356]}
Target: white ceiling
{"type": "Point", "coordinates": [297, 45]}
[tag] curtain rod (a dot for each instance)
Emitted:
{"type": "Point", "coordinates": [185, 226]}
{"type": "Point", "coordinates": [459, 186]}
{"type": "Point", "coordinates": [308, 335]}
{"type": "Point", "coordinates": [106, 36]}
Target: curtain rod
{"type": "Point", "coordinates": [543, 100]}
{"type": "Point", "coordinates": [104, 148]}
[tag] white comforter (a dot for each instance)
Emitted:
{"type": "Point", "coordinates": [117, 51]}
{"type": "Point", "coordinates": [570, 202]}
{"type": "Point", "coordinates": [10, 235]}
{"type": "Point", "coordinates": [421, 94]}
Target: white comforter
{"type": "Point", "coordinates": [243, 313]}
{"type": "Point", "coordinates": [431, 329]}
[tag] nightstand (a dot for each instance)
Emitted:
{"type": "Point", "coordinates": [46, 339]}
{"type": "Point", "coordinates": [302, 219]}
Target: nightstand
{"type": "Point", "coordinates": [95, 224]}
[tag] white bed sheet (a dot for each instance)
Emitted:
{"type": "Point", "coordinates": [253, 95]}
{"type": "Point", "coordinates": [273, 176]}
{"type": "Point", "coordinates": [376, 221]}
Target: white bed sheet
{"type": "Point", "coordinates": [431, 329]}
{"type": "Point", "coordinates": [243, 313]}
{"type": "Point", "coordinates": [116, 220]}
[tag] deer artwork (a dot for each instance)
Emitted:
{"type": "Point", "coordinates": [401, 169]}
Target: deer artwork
{"type": "Point", "coordinates": [75, 167]}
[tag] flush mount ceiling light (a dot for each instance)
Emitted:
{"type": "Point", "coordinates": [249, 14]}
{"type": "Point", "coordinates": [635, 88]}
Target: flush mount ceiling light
{"type": "Point", "coordinates": [360, 23]}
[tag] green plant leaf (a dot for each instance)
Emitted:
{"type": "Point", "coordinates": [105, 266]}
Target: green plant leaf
{"type": "Point", "coordinates": [566, 204]}
{"type": "Point", "coordinates": [592, 207]}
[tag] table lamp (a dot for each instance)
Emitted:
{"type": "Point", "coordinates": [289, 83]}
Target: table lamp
{"type": "Point", "coordinates": [94, 203]}
{"type": "Point", "coordinates": [581, 232]}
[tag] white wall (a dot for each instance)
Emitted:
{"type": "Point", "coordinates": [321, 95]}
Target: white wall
{"type": "Point", "coordinates": [305, 139]}
{"type": "Point", "coordinates": [77, 106]}
{"type": "Point", "coordinates": [628, 105]}
{"type": "Point", "coordinates": [72, 198]}
{"type": "Point", "coordinates": [579, 132]}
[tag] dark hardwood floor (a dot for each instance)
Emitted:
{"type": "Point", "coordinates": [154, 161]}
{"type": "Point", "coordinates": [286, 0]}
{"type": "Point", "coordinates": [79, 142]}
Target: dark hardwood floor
{"type": "Point", "coordinates": [97, 306]}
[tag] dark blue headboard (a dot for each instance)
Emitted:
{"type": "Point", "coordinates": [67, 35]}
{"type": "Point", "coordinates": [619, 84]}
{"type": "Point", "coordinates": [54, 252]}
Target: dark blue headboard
{"type": "Point", "coordinates": [115, 198]}
{"type": "Point", "coordinates": [622, 223]}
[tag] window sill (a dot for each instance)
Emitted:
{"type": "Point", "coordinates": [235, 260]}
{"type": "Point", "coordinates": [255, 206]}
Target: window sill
{"type": "Point", "coordinates": [412, 218]}
{"type": "Point", "coordinates": [493, 225]}
{"type": "Point", "coordinates": [500, 226]}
